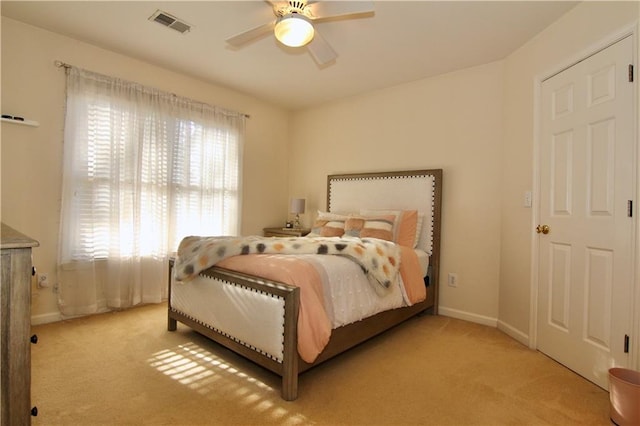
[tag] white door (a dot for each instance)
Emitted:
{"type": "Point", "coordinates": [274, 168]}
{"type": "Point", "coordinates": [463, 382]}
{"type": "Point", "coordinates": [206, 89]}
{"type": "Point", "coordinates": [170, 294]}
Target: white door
{"type": "Point", "coordinates": [586, 185]}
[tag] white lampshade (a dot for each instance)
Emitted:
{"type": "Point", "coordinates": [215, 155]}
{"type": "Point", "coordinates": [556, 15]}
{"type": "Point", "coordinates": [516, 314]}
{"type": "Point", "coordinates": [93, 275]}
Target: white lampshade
{"type": "Point", "coordinates": [294, 30]}
{"type": "Point", "coordinates": [297, 205]}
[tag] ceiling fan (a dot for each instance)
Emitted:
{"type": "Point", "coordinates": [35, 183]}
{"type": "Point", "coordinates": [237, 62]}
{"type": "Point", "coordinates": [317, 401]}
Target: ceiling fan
{"type": "Point", "coordinates": [293, 25]}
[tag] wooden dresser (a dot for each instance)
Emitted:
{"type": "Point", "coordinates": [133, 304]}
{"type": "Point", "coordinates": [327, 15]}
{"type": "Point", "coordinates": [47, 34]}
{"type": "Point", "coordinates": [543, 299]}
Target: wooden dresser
{"type": "Point", "coordinates": [15, 344]}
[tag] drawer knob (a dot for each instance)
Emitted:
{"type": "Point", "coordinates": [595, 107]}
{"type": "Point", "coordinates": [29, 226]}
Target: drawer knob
{"type": "Point", "coordinates": [34, 340]}
{"type": "Point", "coordinates": [34, 411]}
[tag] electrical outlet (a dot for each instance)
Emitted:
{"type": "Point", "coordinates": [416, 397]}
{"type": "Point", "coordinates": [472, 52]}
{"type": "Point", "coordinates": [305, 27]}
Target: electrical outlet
{"type": "Point", "coordinates": [452, 279]}
{"type": "Point", "coordinates": [43, 280]}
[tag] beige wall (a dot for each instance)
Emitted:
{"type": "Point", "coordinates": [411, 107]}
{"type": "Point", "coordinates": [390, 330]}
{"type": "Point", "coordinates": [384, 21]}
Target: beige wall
{"type": "Point", "coordinates": [453, 122]}
{"type": "Point", "coordinates": [576, 33]}
{"type": "Point", "coordinates": [31, 157]}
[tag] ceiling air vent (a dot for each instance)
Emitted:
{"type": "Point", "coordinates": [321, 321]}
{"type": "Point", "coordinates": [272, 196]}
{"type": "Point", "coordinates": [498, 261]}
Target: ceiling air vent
{"type": "Point", "coordinates": [170, 21]}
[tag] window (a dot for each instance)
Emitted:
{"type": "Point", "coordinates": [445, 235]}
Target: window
{"type": "Point", "coordinates": [142, 170]}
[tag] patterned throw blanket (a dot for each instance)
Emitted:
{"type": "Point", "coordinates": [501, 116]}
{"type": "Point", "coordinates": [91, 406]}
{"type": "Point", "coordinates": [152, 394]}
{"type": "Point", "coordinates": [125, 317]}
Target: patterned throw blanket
{"type": "Point", "coordinates": [379, 259]}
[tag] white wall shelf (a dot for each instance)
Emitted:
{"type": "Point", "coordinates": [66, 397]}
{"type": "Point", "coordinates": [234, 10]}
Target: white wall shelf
{"type": "Point", "coordinates": [24, 123]}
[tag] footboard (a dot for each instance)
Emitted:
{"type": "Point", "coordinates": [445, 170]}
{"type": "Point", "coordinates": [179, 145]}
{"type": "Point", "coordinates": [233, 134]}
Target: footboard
{"type": "Point", "coordinates": [267, 301]}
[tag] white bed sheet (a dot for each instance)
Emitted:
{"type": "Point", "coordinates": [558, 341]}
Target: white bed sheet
{"type": "Point", "coordinates": [349, 296]}
{"type": "Point", "coordinates": [423, 258]}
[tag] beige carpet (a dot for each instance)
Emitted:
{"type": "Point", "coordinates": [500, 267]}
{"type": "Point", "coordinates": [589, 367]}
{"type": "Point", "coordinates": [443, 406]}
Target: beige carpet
{"type": "Point", "coordinates": [125, 369]}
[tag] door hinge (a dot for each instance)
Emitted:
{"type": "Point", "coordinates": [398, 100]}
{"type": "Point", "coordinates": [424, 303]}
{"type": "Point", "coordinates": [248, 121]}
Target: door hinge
{"type": "Point", "coordinates": [630, 73]}
{"type": "Point", "coordinates": [626, 343]}
{"type": "Point", "coordinates": [629, 208]}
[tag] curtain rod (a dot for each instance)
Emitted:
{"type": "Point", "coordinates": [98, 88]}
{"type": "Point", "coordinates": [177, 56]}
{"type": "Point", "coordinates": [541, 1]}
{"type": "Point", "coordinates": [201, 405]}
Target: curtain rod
{"type": "Point", "coordinates": [61, 64]}
{"type": "Point", "coordinates": [66, 66]}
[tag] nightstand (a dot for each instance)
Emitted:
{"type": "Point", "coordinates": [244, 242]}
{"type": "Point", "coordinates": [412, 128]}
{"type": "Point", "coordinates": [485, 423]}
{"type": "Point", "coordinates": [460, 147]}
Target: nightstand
{"type": "Point", "coordinates": [285, 232]}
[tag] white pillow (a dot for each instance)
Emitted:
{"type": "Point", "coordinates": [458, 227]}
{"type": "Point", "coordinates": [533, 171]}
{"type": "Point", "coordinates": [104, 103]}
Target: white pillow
{"type": "Point", "coordinates": [418, 229]}
{"type": "Point", "coordinates": [331, 216]}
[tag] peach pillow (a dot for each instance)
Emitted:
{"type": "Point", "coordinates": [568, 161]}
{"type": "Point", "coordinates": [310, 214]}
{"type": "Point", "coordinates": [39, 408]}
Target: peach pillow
{"type": "Point", "coordinates": [327, 228]}
{"type": "Point", "coordinates": [397, 213]}
{"type": "Point", "coordinates": [407, 229]}
{"type": "Point", "coordinates": [370, 227]}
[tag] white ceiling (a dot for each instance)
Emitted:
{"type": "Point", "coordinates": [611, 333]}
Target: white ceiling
{"type": "Point", "coordinates": [403, 41]}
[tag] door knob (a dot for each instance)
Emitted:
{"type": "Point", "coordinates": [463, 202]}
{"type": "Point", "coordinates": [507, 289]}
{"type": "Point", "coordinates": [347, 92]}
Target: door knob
{"type": "Point", "coordinates": [544, 229]}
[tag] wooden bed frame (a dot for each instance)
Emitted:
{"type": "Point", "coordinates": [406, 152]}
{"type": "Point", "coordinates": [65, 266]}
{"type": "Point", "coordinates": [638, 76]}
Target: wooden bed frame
{"type": "Point", "coordinates": [342, 338]}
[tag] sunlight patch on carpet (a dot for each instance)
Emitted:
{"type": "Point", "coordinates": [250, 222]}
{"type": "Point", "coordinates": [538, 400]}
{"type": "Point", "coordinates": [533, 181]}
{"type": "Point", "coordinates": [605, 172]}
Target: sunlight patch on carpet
{"type": "Point", "coordinates": [204, 372]}
{"type": "Point", "coordinates": [196, 368]}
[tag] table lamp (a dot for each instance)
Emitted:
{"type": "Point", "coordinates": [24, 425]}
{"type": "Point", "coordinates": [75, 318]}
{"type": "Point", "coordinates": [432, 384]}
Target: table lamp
{"type": "Point", "coordinates": [297, 207]}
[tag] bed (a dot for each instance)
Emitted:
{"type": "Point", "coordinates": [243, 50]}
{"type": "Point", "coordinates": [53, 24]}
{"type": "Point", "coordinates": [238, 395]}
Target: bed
{"type": "Point", "coordinates": [260, 318]}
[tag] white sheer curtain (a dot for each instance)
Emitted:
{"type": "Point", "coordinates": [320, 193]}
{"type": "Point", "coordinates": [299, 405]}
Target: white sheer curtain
{"type": "Point", "coordinates": [142, 169]}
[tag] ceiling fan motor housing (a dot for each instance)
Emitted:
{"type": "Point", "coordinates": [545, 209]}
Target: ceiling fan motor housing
{"type": "Point", "coordinates": [298, 4]}
{"type": "Point", "coordinates": [292, 6]}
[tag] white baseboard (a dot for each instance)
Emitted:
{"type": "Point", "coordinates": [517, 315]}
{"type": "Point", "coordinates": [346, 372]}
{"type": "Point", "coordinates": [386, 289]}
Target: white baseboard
{"type": "Point", "coordinates": [514, 333]}
{"type": "Point", "coordinates": [467, 316]}
{"type": "Point", "coordinates": [507, 329]}
{"type": "Point", "coordinates": [46, 318]}
{"type": "Point", "coordinates": [442, 310]}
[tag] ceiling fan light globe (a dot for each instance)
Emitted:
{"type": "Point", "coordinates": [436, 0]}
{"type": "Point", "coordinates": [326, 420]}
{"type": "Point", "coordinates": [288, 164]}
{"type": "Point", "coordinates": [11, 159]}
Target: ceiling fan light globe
{"type": "Point", "coordinates": [294, 30]}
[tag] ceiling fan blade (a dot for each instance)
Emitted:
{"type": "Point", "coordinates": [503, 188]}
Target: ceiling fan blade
{"type": "Point", "coordinates": [321, 51]}
{"type": "Point", "coordinates": [253, 33]}
{"type": "Point", "coordinates": [277, 3]}
{"type": "Point", "coordinates": [323, 10]}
